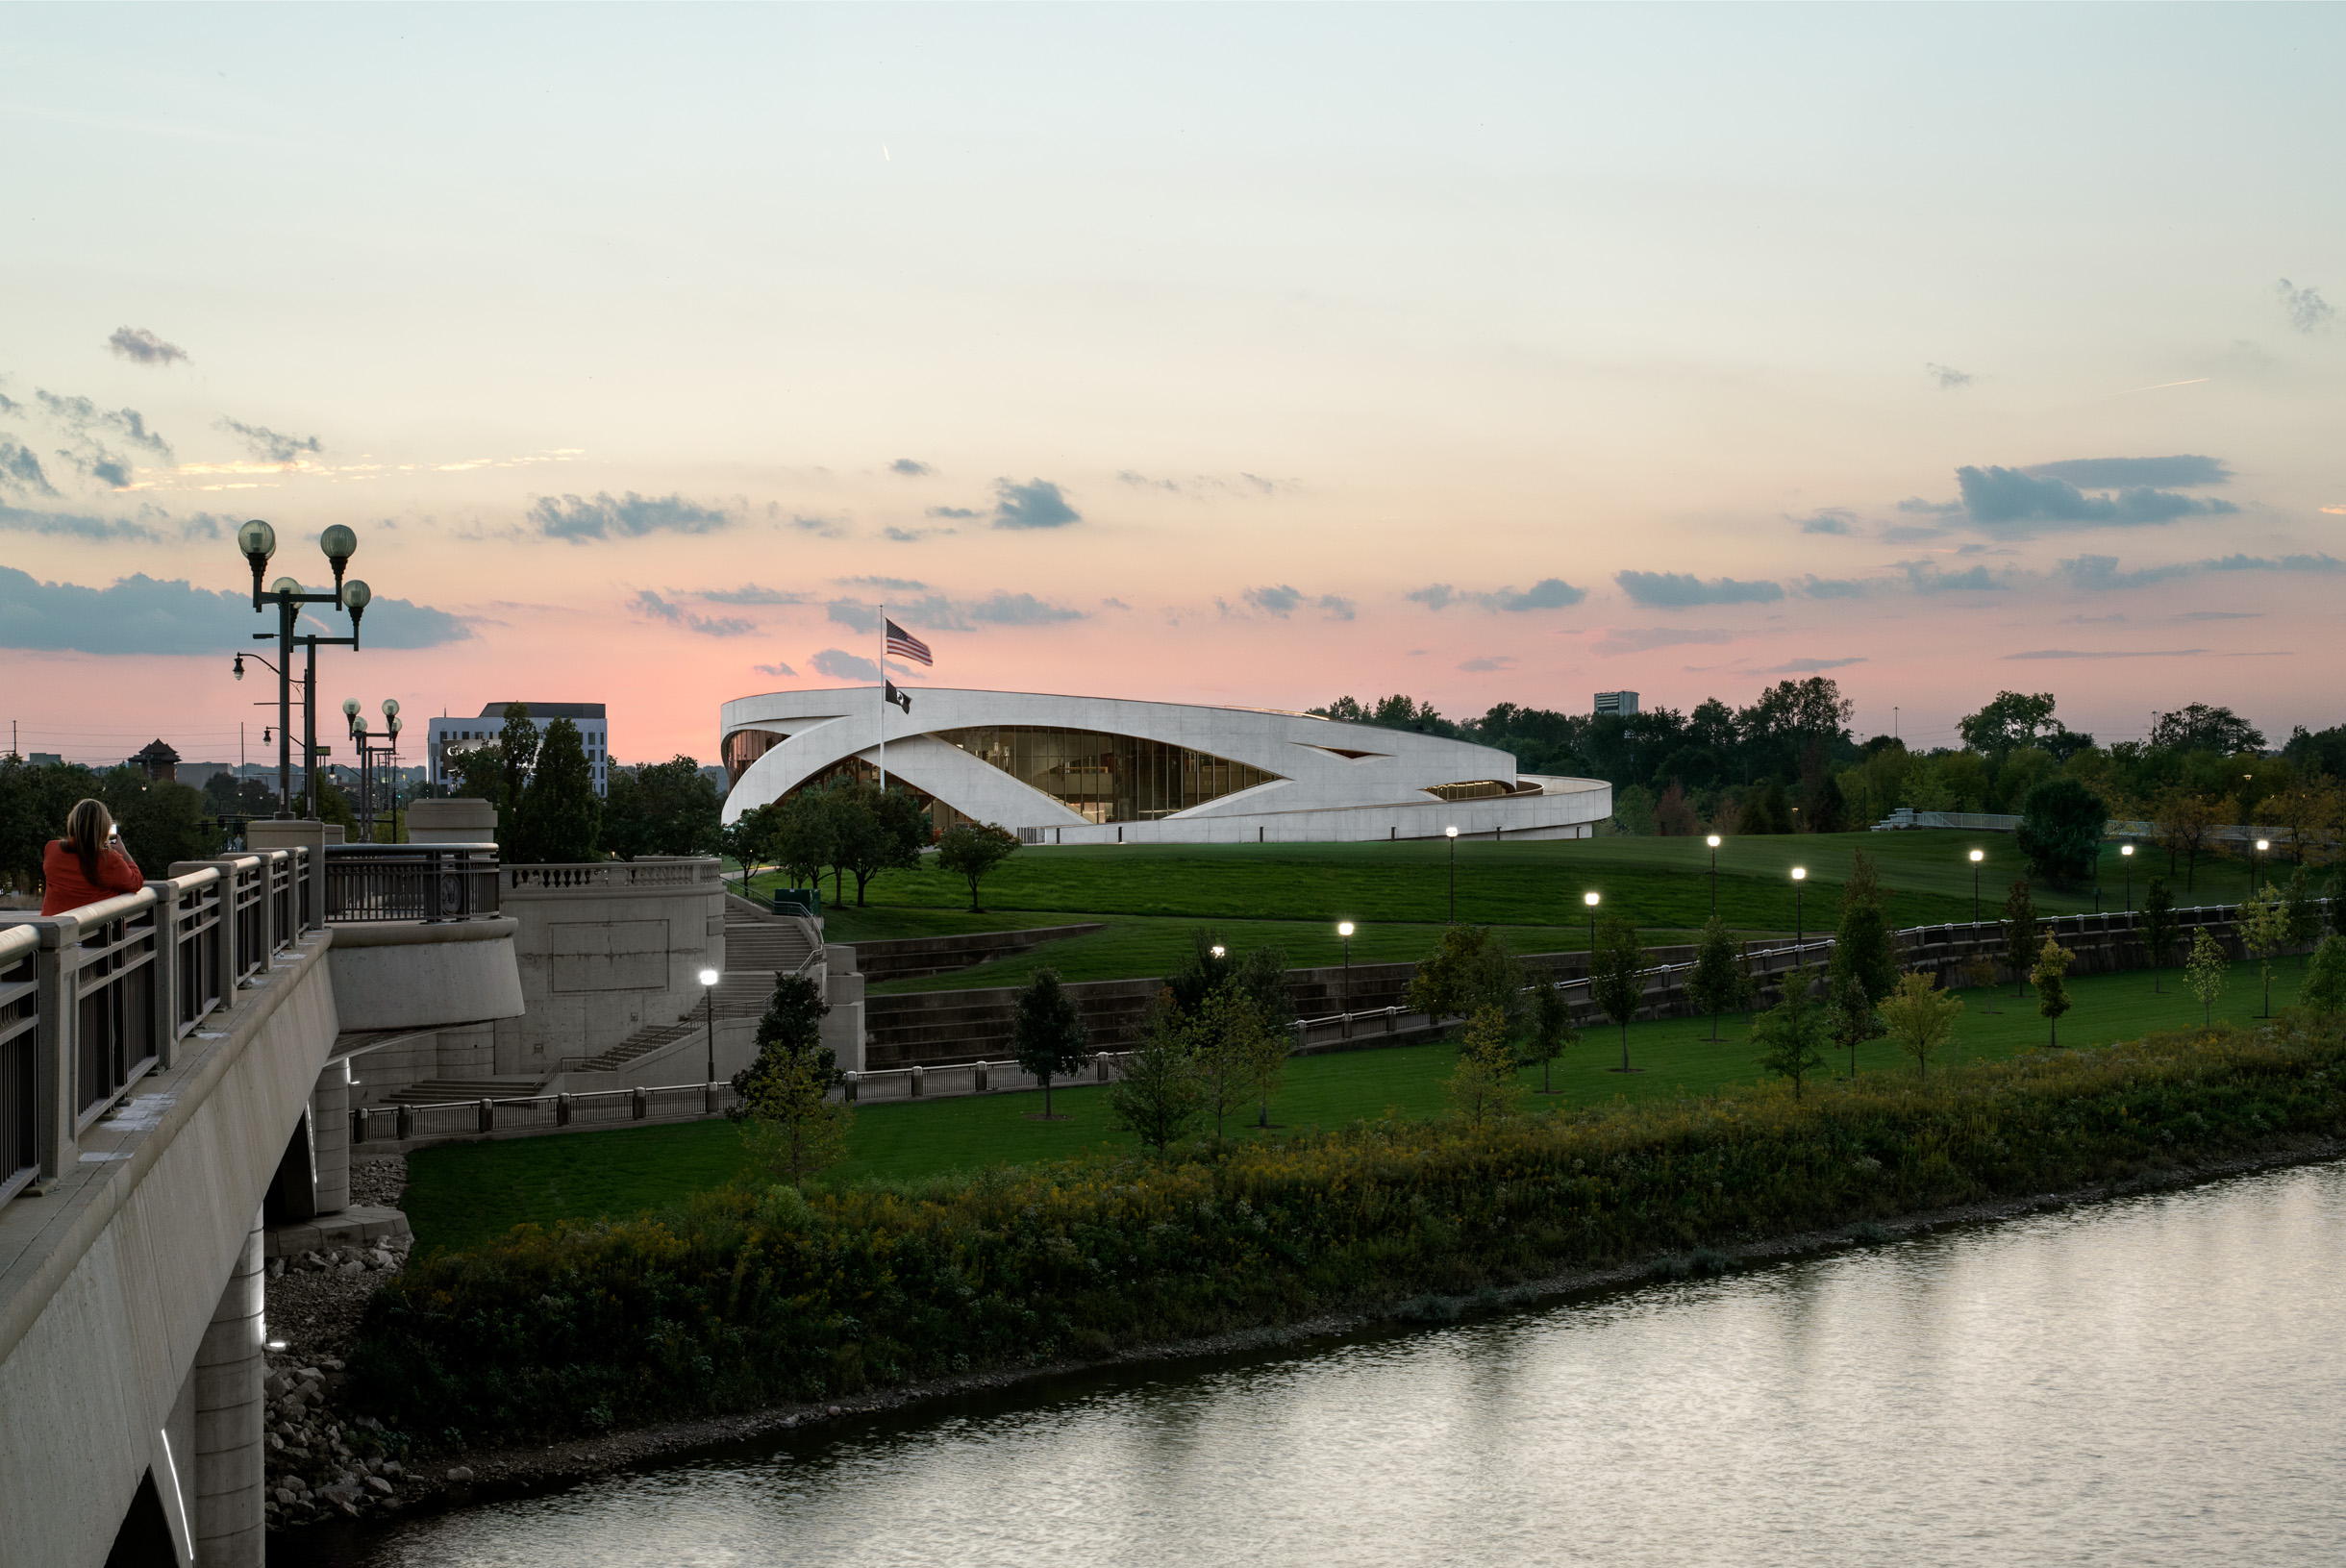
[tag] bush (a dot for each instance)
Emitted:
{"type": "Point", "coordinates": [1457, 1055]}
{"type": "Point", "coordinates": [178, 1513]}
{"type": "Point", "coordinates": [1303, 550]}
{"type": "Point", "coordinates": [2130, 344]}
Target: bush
{"type": "Point", "coordinates": [749, 1296]}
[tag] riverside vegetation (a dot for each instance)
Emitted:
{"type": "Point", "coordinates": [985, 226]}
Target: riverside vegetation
{"type": "Point", "coordinates": [757, 1294]}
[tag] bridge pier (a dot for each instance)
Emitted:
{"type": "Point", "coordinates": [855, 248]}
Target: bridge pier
{"type": "Point", "coordinates": [229, 1462]}
{"type": "Point", "coordinates": [330, 1138]}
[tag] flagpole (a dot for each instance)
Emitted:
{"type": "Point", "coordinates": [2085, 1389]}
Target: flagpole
{"type": "Point", "coordinates": [883, 699]}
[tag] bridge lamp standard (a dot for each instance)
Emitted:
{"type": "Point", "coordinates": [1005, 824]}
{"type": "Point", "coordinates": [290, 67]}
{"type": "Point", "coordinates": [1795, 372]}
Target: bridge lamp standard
{"type": "Point", "coordinates": [257, 542]}
{"type": "Point", "coordinates": [1800, 913]}
{"type": "Point", "coordinates": [1451, 834]}
{"type": "Point", "coordinates": [709, 1013]}
{"type": "Point", "coordinates": [1714, 842]}
{"type": "Point", "coordinates": [1977, 856]}
{"type": "Point", "coordinates": [1344, 928]}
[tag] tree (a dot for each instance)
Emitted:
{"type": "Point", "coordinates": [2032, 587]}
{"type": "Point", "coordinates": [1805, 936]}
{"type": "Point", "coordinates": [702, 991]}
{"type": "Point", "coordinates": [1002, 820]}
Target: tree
{"type": "Point", "coordinates": [1616, 976]}
{"type": "Point", "coordinates": [516, 755]}
{"type": "Point", "coordinates": [1229, 1044]}
{"type": "Point", "coordinates": [2053, 962]}
{"type": "Point", "coordinates": [1047, 1033]}
{"type": "Point", "coordinates": [2197, 727]}
{"type": "Point", "coordinates": [2184, 823]}
{"type": "Point", "coordinates": [1551, 1031]}
{"type": "Point", "coordinates": [669, 808]}
{"type": "Point", "coordinates": [1980, 971]}
{"type": "Point", "coordinates": [970, 850]}
{"type": "Point", "coordinates": [871, 832]}
{"type": "Point", "coordinates": [2303, 917]}
{"type": "Point", "coordinates": [2324, 989]}
{"type": "Point", "coordinates": [2019, 934]}
{"type": "Point", "coordinates": [1208, 968]}
{"type": "Point", "coordinates": [2207, 971]}
{"type": "Point", "coordinates": [1862, 948]}
{"type": "Point", "coordinates": [1792, 1034]}
{"type": "Point", "coordinates": [1471, 968]}
{"type": "Point", "coordinates": [559, 812]}
{"type": "Point", "coordinates": [1484, 1089]}
{"type": "Point", "coordinates": [1850, 1017]}
{"type": "Point", "coordinates": [2264, 931]}
{"type": "Point", "coordinates": [2062, 823]}
{"type": "Point", "coordinates": [800, 837]}
{"type": "Point", "coordinates": [2160, 927]}
{"type": "Point", "coordinates": [1827, 809]}
{"type": "Point", "coordinates": [160, 822]}
{"type": "Point", "coordinates": [1920, 1018]}
{"type": "Point", "coordinates": [1766, 810]}
{"type": "Point", "coordinates": [1717, 982]}
{"type": "Point", "coordinates": [1262, 976]}
{"type": "Point", "coordinates": [2014, 719]}
{"type": "Point", "coordinates": [2307, 813]}
{"type": "Point", "coordinates": [785, 1094]}
{"type": "Point", "coordinates": [1156, 1096]}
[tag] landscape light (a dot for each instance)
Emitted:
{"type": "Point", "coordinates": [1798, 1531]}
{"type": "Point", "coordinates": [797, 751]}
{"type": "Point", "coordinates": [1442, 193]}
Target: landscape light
{"type": "Point", "coordinates": [1450, 833]}
{"type": "Point", "coordinates": [1712, 840]}
{"type": "Point", "coordinates": [709, 977]}
{"type": "Point", "coordinates": [1589, 899]}
{"type": "Point", "coordinates": [1800, 873]}
{"type": "Point", "coordinates": [2263, 845]}
{"type": "Point", "coordinates": [1800, 913]}
{"type": "Point", "coordinates": [1977, 856]}
{"type": "Point", "coordinates": [1343, 928]}
{"type": "Point", "coordinates": [2125, 849]}
{"type": "Point", "coordinates": [1218, 951]}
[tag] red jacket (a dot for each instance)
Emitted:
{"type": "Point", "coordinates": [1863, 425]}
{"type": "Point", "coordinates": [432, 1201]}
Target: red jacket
{"type": "Point", "coordinates": [68, 889]}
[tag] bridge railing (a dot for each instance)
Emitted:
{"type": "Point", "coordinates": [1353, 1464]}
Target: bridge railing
{"type": "Point", "coordinates": [94, 999]}
{"type": "Point", "coordinates": [411, 882]}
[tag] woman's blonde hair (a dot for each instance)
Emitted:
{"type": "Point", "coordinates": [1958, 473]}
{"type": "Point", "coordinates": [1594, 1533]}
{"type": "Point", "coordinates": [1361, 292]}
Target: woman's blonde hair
{"type": "Point", "coordinates": [88, 827]}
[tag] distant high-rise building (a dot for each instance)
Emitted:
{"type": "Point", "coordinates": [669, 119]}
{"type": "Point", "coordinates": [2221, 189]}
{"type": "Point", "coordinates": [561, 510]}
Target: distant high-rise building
{"type": "Point", "coordinates": [1618, 704]}
{"type": "Point", "coordinates": [450, 735]}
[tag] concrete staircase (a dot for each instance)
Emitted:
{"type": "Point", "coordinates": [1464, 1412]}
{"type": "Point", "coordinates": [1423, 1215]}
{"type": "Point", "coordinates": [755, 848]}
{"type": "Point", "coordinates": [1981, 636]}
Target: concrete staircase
{"type": "Point", "coordinates": [758, 946]}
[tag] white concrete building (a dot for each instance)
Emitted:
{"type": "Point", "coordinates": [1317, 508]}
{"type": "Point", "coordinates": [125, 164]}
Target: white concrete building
{"type": "Point", "coordinates": [1099, 770]}
{"type": "Point", "coordinates": [450, 734]}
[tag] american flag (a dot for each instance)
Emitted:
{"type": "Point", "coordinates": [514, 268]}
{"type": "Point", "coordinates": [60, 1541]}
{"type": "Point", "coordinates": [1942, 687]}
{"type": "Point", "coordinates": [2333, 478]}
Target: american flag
{"type": "Point", "coordinates": [905, 645]}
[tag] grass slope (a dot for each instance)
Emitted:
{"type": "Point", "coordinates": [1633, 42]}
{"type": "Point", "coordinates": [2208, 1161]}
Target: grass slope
{"type": "Point", "coordinates": [1399, 894]}
{"type": "Point", "coordinates": [463, 1194]}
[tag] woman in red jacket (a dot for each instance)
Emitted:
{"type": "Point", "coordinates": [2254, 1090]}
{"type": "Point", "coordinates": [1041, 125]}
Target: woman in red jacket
{"type": "Point", "coordinates": [87, 865]}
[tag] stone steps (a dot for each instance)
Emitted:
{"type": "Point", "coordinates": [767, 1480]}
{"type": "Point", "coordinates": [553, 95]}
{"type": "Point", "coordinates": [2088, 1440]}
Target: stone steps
{"type": "Point", "coordinates": [444, 1091]}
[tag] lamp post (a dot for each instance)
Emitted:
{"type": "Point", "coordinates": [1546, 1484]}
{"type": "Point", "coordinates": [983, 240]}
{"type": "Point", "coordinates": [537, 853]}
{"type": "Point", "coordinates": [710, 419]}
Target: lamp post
{"type": "Point", "coordinates": [368, 751]}
{"type": "Point", "coordinates": [2125, 853]}
{"type": "Point", "coordinates": [1344, 928]}
{"type": "Point", "coordinates": [1714, 842]}
{"type": "Point", "coordinates": [308, 713]}
{"type": "Point", "coordinates": [1590, 899]}
{"type": "Point", "coordinates": [1451, 834]}
{"type": "Point", "coordinates": [1800, 915]}
{"type": "Point", "coordinates": [708, 1012]}
{"type": "Point", "coordinates": [257, 542]}
{"type": "Point", "coordinates": [1977, 856]}
{"type": "Point", "coordinates": [2262, 844]}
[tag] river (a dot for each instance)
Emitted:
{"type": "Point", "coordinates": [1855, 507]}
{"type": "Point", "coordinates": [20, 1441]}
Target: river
{"type": "Point", "coordinates": [2156, 1380]}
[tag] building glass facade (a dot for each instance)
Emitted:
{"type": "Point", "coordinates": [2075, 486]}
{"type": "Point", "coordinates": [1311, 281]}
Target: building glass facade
{"type": "Point", "coordinates": [745, 746]}
{"type": "Point", "coordinates": [1106, 778]}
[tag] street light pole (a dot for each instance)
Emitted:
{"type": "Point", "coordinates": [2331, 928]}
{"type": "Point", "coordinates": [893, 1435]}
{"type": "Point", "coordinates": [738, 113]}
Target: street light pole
{"type": "Point", "coordinates": [1800, 915]}
{"type": "Point", "coordinates": [1714, 874]}
{"type": "Point", "coordinates": [1977, 856]}
{"type": "Point", "coordinates": [1590, 899]}
{"type": "Point", "coordinates": [2255, 861]}
{"type": "Point", "coordinates": [708, 1012]}
{"type": "Point", "coordinates": [257, 541]}
{"type": "Point", "coordinates": [2125, 853]}
{"type": "Point", "coordinates": [1344, 928]}
{"type": "Point", "coordinates": [1451, 834]}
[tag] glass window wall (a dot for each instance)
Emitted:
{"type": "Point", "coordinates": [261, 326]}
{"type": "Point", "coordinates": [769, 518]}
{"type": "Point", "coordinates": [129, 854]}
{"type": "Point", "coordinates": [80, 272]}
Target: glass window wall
{"type": "Point", "coordinates": [1106, 778]}
{"type": "Point", "coordinates": [745, 746]}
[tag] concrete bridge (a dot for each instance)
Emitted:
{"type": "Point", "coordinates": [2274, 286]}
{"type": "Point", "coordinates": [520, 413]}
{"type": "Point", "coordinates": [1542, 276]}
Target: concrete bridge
{"type": "Point", "coordinates": [170, 1077]}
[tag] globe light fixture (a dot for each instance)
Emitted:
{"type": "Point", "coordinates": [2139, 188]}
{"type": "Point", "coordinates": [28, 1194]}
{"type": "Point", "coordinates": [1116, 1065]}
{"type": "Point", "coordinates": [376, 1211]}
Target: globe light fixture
{"type": "Point", "coordinates": [257, 541]}
{"type": "Point", "coordinates": [340, 544]}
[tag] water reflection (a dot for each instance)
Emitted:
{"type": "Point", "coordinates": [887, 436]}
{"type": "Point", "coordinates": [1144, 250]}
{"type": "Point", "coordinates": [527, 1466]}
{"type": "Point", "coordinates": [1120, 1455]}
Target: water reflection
{"type": "Point", "coordinates": [2149, 1382]}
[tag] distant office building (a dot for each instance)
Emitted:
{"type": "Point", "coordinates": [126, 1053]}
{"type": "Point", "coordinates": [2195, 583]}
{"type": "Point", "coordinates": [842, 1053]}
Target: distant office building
{"type": "Point", "coordinates": [451, 736]}
{"type": "Point", "coordinates": [1620, 705]}
{"type": "Point", "coordinates": [46, 760]}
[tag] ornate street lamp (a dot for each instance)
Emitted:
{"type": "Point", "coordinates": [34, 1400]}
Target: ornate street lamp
{"type": "Point", "coordinates": [257, 542]}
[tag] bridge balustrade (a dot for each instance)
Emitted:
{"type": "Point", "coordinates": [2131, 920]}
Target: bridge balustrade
{"type": "Point", "coordinates": [19, 1060]}
{"type": "Point", "coordinates": [411, 882]}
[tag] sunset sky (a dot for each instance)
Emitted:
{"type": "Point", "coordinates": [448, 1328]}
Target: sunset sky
{"type": "Point", "coordinates": [1231, 355]}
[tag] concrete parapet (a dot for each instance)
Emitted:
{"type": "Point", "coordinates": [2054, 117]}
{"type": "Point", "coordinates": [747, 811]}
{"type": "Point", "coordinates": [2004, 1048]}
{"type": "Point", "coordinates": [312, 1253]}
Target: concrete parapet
{"type": "Point", "coordinates": [414, 974]}
{"type": "Point", "coordinates": [451, 822]}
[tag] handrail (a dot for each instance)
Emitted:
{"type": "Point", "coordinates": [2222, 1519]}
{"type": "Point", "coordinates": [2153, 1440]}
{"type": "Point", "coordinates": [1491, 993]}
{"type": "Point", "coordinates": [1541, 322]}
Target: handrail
{"type": "Point", "coordinates": [427, 883]}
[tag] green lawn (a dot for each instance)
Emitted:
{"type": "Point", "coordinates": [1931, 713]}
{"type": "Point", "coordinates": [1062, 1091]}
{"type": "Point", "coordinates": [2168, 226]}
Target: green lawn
{"type": "Point", "coordinates": [462, 1193]}
{"type": "Point", "coordinates": [1151, 897]}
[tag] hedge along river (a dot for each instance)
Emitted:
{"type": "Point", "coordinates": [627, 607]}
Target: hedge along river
{"type": "Point", "coordinates": [2154, 1380]}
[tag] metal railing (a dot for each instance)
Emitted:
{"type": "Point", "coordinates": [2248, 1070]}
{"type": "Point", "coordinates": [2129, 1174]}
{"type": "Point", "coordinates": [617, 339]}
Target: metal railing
{"type": "Point", "coordinates": [94, 999]}
{"type": "Point", "coordinates": [541, 1112]}
{"type": "Point", "coordinates": [19, 1060]}
{"type": "Point", "coordinates": [411, 882]}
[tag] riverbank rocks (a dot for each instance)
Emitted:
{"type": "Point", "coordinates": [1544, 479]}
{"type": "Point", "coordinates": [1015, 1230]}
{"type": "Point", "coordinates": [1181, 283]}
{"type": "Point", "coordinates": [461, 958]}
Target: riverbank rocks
{"type": "Point", "coordinates": [318, 1464]}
